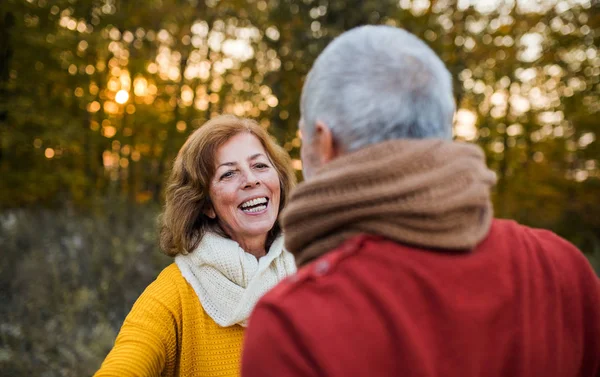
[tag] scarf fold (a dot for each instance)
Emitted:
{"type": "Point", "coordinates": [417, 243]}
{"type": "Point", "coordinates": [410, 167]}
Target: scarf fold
{"type": "Point", "coordinates": [229, 281]}
{"type": "Point", "coordinates": [427, 193]}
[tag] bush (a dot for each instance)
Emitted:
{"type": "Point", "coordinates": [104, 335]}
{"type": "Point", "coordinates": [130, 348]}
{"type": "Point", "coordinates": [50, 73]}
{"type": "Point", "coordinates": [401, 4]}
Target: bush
{"type": "Point", "coordinates": [67, 280]}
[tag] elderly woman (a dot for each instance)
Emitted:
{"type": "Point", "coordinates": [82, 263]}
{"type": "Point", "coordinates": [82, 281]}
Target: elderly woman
{"type": "Point", "coordinates": [229, 183]}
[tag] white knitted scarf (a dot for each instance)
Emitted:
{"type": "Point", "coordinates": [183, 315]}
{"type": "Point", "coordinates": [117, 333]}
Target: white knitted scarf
{"type": "Point", "coordinates": [228, 280]}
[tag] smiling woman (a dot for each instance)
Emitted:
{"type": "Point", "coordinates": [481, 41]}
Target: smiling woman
{"type": "Point", "coordinates": [244, 192]}
{"type": "Point", "coordinates": [217, 156]}
{"type": "Point", "coordinates": [228, 185]}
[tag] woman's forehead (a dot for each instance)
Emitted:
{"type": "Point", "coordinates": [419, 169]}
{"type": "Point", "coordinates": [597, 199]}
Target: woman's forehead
{"type": "Point", "coordinates": [240, 147]}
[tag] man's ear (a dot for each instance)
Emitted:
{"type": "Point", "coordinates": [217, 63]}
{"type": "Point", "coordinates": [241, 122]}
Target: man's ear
{"type": "Point", "coordinates": [325, 142]}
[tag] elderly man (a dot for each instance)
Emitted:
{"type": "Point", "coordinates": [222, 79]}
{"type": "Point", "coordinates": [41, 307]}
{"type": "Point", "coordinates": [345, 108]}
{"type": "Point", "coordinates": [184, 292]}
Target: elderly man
{"type": "Point", "coordinates": [405, 272]}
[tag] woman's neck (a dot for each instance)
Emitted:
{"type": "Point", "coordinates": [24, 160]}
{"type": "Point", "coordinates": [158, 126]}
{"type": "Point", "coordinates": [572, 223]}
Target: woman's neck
{"type": "Point", "coordinates": [253, 245]}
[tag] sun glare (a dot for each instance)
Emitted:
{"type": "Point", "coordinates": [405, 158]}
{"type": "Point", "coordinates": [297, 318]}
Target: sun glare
{"type": "Point", "coordinates": [122, 96]}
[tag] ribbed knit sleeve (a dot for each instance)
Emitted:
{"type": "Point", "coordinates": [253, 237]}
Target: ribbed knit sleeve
{"type": "Point", "coordinates": [147, 342]}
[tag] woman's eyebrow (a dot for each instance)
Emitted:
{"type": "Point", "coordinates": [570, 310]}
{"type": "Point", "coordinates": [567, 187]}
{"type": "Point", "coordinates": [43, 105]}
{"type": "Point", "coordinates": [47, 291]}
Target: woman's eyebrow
{"type": "Point", "coordinates": [227, 164]}
{"type": "Point", "coordinates": [255, 156]}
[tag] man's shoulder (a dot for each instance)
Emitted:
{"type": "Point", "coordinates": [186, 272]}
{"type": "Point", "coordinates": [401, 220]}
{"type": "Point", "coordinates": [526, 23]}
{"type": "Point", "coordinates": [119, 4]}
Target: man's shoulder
{"type": "Point", "coordinates": [327, 275]}
{"type": "Point", "coordinates": [539, 246]}
{"type": "Point", "coordinates": [534, 239]}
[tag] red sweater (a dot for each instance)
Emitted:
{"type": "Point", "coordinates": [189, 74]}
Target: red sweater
{"type": "Point", "coordinates": [524, 303]}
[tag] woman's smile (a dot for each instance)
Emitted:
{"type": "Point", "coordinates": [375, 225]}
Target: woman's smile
{"type": "Point", "coordinates": [255, 206]}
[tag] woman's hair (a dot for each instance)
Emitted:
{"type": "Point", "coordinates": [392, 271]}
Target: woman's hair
{"type": "Point", "coordinates": [183, 222]}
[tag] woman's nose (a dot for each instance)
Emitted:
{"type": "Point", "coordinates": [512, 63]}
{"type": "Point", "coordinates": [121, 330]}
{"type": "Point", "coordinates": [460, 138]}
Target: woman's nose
{"type": "Point", "coordinates": [251, 180]}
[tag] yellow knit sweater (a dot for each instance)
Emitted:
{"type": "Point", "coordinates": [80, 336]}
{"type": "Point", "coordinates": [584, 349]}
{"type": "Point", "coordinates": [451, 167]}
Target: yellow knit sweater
{"type": "Point", "coordinates": [167, 333]}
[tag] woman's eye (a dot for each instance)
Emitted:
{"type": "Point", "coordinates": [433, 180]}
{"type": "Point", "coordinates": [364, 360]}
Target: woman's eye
{"type": "Point", "coordinates": [227, 175]}
{"type": "Point", "coordinates": [260, 165]}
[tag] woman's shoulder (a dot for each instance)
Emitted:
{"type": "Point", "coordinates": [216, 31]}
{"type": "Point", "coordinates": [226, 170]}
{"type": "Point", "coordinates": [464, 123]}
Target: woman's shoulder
{"type": "Point", "coordinates": [170, 274]}
{"type": "Point", "coordinates": [172, 293]}
{"type": "Point", "coordinates": [167, 287]}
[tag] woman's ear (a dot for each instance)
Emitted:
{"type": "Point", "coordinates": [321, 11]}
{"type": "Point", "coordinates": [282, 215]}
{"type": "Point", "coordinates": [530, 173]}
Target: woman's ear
{"type": "Point", "coordinates": [209, 211]}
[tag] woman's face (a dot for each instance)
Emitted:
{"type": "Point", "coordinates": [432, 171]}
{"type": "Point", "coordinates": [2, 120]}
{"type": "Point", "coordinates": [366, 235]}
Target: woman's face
{"type": "Point", "coordinates": [245, 189]}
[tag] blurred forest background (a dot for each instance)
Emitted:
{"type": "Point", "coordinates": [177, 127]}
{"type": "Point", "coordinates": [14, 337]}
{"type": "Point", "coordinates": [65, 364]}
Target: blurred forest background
{"type": "Point", "coordinates": [97, 96]}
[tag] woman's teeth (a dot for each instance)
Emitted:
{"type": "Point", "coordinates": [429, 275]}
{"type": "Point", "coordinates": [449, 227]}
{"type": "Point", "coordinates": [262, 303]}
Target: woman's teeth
{"type": "Point", "coordinates": [254, 205]}
{"type": "Point", "coordinates": [255, 209]}
{"type": "Point", "coordinates": [254, 202]}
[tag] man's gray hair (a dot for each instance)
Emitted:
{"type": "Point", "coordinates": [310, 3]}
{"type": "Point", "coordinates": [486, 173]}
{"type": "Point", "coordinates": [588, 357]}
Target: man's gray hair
{"type": "Point", "coordinates": [377, 83]}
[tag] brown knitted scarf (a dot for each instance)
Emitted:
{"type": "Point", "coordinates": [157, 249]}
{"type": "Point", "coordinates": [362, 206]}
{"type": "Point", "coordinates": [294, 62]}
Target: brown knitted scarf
{"type": "Point", "coordinates": [427, 193]}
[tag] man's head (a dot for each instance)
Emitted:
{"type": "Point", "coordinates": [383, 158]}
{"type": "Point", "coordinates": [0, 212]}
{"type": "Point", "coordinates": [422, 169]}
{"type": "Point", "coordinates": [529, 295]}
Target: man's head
{"type": "Point", "coordinates": [372, 84]}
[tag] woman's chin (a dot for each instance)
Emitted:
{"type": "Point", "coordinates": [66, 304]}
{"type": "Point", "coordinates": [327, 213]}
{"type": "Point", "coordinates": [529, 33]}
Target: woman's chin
{"type": "Point", "coordinates": [252, 224]}
{"type": "Point", "coordinates": [259, 228]}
